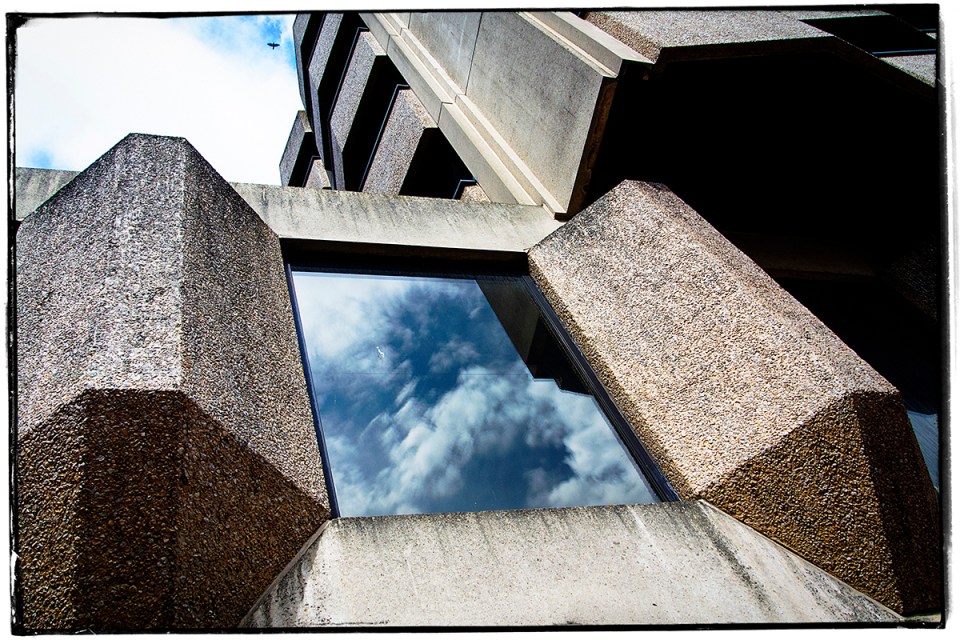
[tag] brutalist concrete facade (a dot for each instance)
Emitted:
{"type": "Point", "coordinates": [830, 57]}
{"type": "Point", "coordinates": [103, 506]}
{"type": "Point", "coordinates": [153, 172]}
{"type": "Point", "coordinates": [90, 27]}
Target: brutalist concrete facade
{"type": "Point", "coordinates": [167, 466]}
{"type": "Point", "coordinates": [166, 462]}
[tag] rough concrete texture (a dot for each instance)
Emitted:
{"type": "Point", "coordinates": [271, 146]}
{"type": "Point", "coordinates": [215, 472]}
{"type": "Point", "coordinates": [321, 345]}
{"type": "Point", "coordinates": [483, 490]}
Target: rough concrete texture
{"type": "Point", "coordinates": [317, 178]}
{"type": "Point", "coordinates": [742, 396]}
{"type": "Point", "coordinates": [318, 64]}
{"type": "Point", "coordinates": [167, 466]}
{"type": "Point", "coordinates": [473, 193]}
{"type": "Point", "coordinates": [299, 31]}
{"type": "Point", "coordinates": [300, 129]}
{"type": "Point", "coordinates": [398, 144]}
{"type": "Point", "coordinates": [921, 67]}
{"type": "Point", "coordinates": [812, 13]}
{"type": "Point", "coordinates": [450, 37]}
{"type": "Point", "coordinates": [660, 564]}
{"type": "Point", "coordinates": [653, 33]}
{"type": "Point", "coordinates": [399, 221]}
{"type": "Point", "coordinates": [36, 186]}
{"type": "Point", "coordinates": [365, 53]}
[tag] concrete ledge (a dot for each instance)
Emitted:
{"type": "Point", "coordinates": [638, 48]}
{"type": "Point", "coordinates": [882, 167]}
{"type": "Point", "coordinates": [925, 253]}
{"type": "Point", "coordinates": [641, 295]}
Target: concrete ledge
{"type": "Point", "coordinates": [742, 396]}
{"type": "Point", "coordinates": [399, 221]}
{"type": "Point", "coordinates": [294, 213]}
{"type": "Point", "coordinates": [658, 564]}
{"type": "Point", "coordinates": [167, 466]}
{"type": "Point", "coordinates": [700, 34]}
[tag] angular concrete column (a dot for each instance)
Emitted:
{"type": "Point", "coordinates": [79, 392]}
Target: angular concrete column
{"type": "Point", "coordinates": [742, 396]}
{"type": "Point", "coordinates": [355, 80]}
{"type": "Point", "coordinates": [167, 467]}
{"type": "Point", "coordinates": [398, 144]}
{"type": "Point", "coordinates": [299, 153]}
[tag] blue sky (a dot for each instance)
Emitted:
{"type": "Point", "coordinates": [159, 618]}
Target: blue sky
{"type": "Point", "coordinates": [84, 83]}
{"type": "Point", "coordinates": [427, 407]}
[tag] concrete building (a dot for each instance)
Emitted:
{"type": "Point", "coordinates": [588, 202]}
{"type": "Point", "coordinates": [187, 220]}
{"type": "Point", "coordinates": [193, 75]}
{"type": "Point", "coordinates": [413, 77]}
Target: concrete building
{"type": "Point", "coordinates": [713, 235]}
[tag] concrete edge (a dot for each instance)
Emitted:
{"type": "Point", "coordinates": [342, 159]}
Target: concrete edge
{"type": "Point", "coordinates": [287, 569]}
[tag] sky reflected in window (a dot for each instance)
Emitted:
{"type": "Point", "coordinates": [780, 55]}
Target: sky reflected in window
{"type": "Point", "coordinates": [426, 406]}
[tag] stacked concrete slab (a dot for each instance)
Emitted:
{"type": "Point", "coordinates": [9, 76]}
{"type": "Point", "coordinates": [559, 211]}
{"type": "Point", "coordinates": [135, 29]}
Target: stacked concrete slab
{"type": "Point", "coordinates": [365, 52]}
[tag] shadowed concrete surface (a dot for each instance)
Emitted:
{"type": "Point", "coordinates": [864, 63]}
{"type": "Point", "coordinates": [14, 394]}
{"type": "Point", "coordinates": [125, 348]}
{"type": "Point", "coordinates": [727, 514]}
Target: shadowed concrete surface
{"type": "Point", "coordinates": [167, 467]}
{"type": "Point", "coordinates": [659, 564]}
{"type": "Point", "coordinates": [742, 396]}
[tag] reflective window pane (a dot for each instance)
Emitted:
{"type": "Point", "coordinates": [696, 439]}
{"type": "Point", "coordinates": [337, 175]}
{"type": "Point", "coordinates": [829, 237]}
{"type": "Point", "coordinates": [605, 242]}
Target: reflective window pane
{"type": "Point", "coordinates": [443, 394]}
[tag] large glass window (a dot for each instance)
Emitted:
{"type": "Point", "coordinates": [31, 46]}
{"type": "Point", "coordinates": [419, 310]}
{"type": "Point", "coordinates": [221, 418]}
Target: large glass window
{"type": "Point", "coordinates": [441, 394]}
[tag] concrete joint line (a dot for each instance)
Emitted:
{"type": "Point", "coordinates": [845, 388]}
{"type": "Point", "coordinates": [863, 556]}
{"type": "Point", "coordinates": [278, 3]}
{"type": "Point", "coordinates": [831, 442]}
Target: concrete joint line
{"type": "Point", "coordinates": [598, 44]}
{"type": "Point", "coordinates": [479, 155]}
{"type": "Point", "coordinates": [425, 75]}
{"type": "Point", "coordinates": [536, 20]}
{"type": "Point", "coordinates": [503, 153]}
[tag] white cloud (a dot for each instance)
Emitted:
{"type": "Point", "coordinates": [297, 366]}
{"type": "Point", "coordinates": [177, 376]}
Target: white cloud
{"type": "Point", "coordinates": [429, 446]}
{"type": "Point", "coordinates": [420, 440]}
{"type": "Point", "coordinates": [84, 83]}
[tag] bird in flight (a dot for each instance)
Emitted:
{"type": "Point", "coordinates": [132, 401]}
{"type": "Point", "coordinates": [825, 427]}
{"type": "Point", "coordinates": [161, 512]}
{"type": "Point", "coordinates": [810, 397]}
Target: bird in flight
{"type": "Point", "coordinates": [273, 45]}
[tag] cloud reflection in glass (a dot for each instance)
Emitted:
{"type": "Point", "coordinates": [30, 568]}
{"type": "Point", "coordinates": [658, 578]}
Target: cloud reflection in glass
{"type": "Point", "coordinates": [426, 406]}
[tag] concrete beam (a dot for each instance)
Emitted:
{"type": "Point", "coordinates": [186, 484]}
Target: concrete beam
{"type": "Point", "coordinates": [167, 465]}
{"type": "Point", "coordinates": [656, 564]}
{"type": "Point", "coordinates": [742, 396]}
{"type": "Point", "coordinates": [346, 217]}
{"type": "Point", "coordinates": [397, 221]}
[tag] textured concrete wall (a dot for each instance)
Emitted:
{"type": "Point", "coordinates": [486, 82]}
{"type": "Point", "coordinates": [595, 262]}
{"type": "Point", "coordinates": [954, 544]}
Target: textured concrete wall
{"type": "Point", "coordinates": [355, 79]}
{"type": "Point", "coordinates": [547, 123]}
{"type": "Point", "coordinates": [525, 140]}
{"type": "Point", "coordinates": [167, 467]}
{"type": "Point", "coordinates": [398, 144]}
{"type": "Point", "coordinates": [658, 564]}
{"type": "Point", "coordinates": [742, 396]}
{"type": "Point", "coordinates": [700, 33]}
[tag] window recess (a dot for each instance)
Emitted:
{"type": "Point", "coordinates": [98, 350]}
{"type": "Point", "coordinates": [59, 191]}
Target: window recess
{"type": "Point", "coordinates": [450, 392]}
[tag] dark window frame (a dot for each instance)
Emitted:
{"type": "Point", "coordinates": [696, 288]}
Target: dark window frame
{"type": "Point", "coordinates": [353, 264]}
